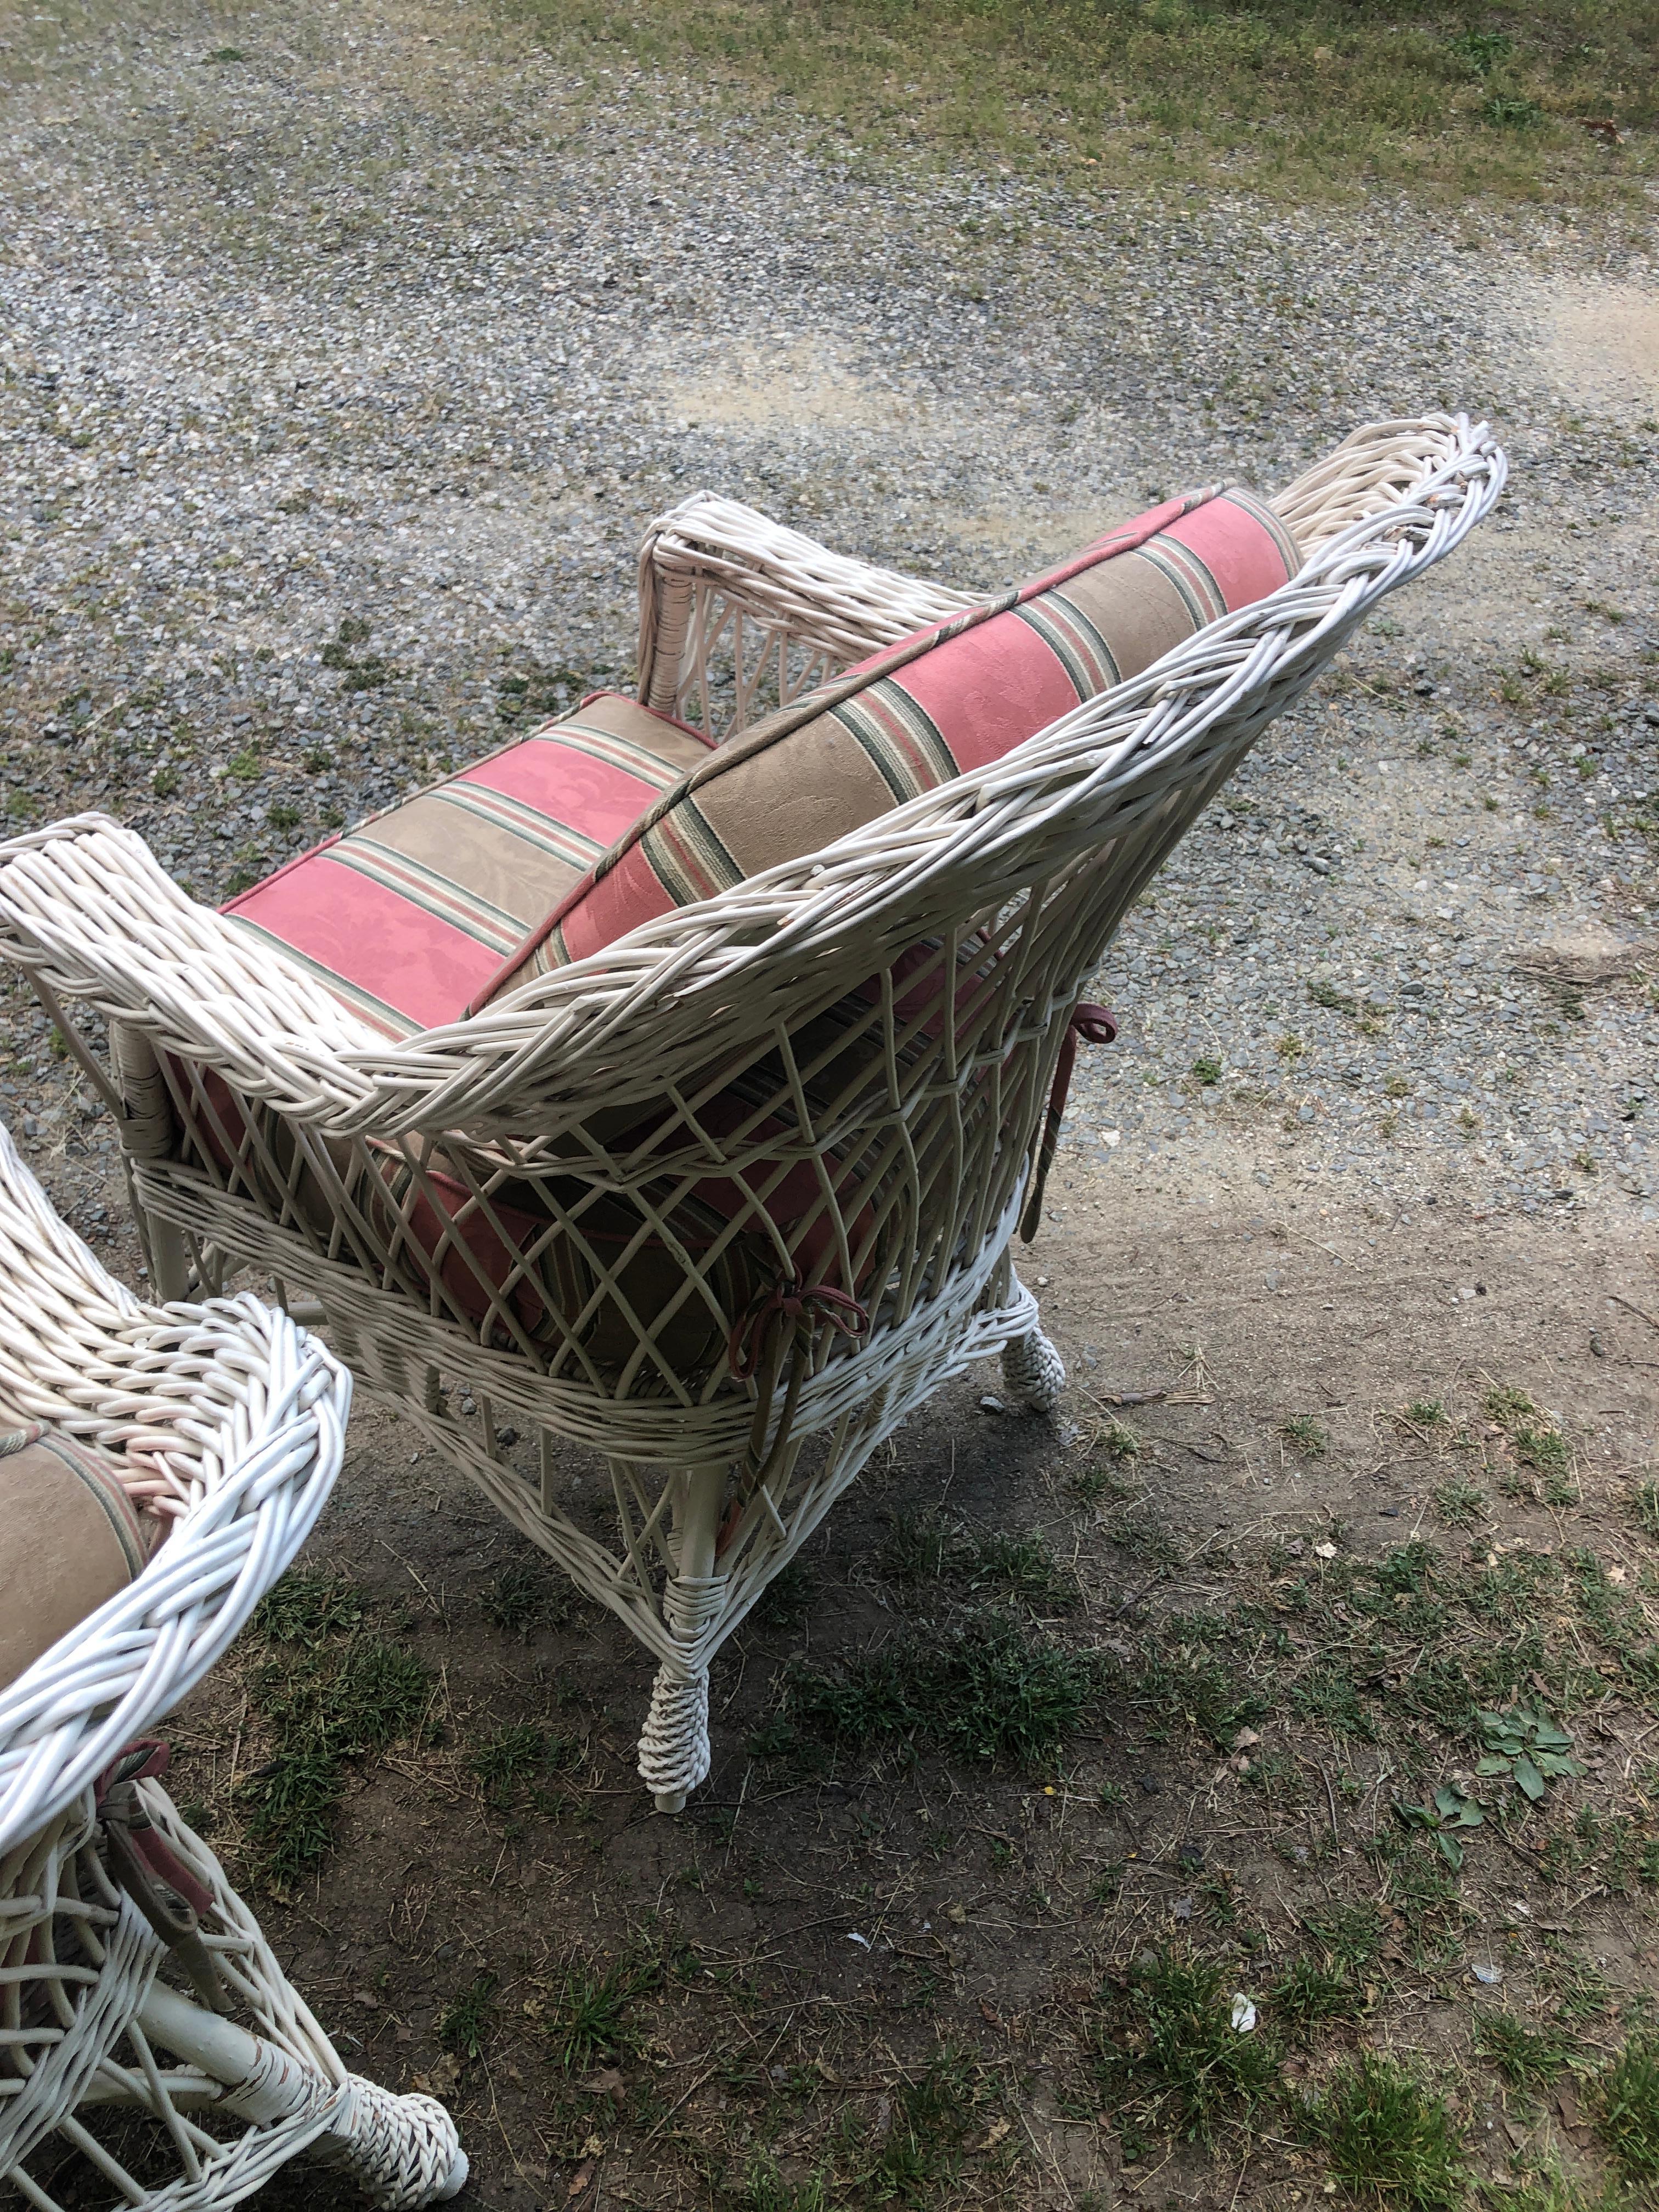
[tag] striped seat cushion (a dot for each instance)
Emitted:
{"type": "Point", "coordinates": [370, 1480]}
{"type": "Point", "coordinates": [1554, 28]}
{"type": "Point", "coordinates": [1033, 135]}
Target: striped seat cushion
{"type": "Point", "coordinates": [406, 916]}
{"type": "Point", "coordinates": [950, 699]}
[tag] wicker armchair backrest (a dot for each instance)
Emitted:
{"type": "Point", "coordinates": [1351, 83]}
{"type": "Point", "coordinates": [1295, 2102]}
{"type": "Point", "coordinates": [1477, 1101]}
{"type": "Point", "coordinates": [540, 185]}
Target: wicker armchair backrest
{"type": "Point", "coordinates": [832, 1075]}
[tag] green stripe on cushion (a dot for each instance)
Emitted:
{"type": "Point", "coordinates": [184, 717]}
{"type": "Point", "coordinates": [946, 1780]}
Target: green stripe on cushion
{"type": "Point", "coordinates": [899, 738]}
{"type": "Point", "coordinates": [431, 893]}
{"type": "Point", "coordinates": [557, 839]}
{"type": "Point", "coordinates": [615, 752]}
{"type": "Point", "coordinates": [1073, 641]}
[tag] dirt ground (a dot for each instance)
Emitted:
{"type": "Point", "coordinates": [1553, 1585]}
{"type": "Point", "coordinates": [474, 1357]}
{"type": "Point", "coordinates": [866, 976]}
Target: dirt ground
{"type": "Point", "coordinates": [817, 1926]}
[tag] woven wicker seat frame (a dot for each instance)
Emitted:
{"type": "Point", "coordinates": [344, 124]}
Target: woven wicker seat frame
{"type": "Point", "coordinates": [887, 1015]}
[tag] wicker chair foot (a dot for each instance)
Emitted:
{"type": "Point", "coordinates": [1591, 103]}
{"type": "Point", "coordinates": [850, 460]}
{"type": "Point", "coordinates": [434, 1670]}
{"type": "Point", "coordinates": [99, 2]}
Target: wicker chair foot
{"type": "Point", "coordinates": [674, 1754]}
{"type": "Point", "coordinates": [1034, 1372]}
{"type": "Point", "coordinates": [402, 2152]}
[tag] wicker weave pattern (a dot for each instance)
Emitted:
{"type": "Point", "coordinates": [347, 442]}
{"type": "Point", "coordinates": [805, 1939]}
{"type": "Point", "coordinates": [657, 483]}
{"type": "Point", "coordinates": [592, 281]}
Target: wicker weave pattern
{"type": "Point", "coordinates": [857, 1047]}
{"type": "Point", "coordinates": [738, 614]}
{"type": "Point", "coordinates": [86, 2018]}
{"type": "Point", "coordinates": [236, 1420]}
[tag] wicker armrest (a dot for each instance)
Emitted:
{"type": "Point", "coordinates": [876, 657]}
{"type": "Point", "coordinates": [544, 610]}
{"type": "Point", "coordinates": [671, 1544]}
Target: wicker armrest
{"type": "Point", "coordinates": [87, 909]}
{"type": "Point", "coordinates": [1374, 467]}
{"type": "Point", "coordinates": [722, 584]}
{"type": "Point", "coordinates": [233, 1421]}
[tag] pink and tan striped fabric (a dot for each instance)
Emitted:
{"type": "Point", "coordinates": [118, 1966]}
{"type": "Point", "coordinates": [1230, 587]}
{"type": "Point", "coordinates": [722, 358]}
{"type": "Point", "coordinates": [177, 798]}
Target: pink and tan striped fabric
{"type": "Point", "coordinates": [947, 701]}
{"type": "Point", "coordinates": [409, 915]}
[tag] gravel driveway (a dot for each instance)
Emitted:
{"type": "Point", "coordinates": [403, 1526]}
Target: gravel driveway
{"type": "Point", "coordinates": [362, 328]}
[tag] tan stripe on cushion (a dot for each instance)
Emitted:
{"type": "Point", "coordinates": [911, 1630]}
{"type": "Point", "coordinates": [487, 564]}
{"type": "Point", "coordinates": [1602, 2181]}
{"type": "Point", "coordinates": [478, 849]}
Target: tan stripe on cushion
{"type": "Point", "coordinates": [506, 864]}
{"type": "Point", "coordinates": [1138, 604]}
{"type": "Point", "coordinates": [800, 793]}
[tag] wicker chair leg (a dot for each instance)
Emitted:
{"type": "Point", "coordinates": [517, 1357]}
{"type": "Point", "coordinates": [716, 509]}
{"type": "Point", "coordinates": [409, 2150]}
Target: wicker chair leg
{"type": "Point", "coordinates": [169, 1262]}
{"type": "Point", "coordinates": [1034, 1372]}
{"type": "Point", "coordinates": [401, 2151]}
{"type": "Point", "coordinates": [674, 1755]}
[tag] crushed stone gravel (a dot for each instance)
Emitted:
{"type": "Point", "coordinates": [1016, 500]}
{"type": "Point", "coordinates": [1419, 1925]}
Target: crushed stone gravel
{"type": "Point", "coordinates": [341, 378]}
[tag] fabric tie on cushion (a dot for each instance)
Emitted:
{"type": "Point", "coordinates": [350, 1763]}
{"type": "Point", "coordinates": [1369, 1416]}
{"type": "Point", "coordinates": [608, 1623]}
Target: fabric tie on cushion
{"type": "Point", "coordinates": [756, 1353]}
{"type": "Point", "coordinates": [146, 1759]}
{"type": "Point", "coordinates": [1098, 1024]}
{"type": "Point", "coordinates": [789, 1301]}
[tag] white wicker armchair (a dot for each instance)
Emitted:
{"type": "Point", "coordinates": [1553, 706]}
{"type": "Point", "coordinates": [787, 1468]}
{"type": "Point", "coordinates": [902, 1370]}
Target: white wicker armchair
{"type": "Point", "coordinates": [910, 1091]}
{"type": "Point", "coordinates": [232, 1421]}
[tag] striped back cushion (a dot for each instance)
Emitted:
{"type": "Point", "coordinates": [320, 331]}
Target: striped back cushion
{"type": "Point", "coordinates": [951, 699]}
{"type": "Point", "coordinates": [406, 916]}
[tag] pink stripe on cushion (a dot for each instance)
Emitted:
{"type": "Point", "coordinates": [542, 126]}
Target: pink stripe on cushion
{"type": "Point", "coordinates": [356, 928]}
{"type": "Point", "coordinates": [559, 780]}
{"type": "Point", "coordinates": [995, 685]}
{"type": "Point", "coordinates": [596, 914]}
{"type": "Point", "coordinates": [1235, 548]}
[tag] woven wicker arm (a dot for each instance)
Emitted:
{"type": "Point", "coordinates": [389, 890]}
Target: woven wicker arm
{"type": "Point", "coordinates": [738, 614]}
{"type": "Point", "coordinates": [918, 1123]}
{"type": "Point", "coordinates": [232, 1424]}
{"type": "Point", "coordinates": [237, 1421]}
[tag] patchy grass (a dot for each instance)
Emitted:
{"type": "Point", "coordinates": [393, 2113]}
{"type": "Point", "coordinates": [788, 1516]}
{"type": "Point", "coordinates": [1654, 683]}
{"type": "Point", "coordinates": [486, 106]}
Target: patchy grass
{"type": "Point", "coordinates": [982, 1688]}
{"type": "Point", "coordinates": [1312, 1992]}
{"type": "Point", "coordinates": [920, 2152]}
{"type": "Point", "coordinates": [924, 1547]}
{"type": "Point", "coordinates": [1460, 1504]}
{"type": "Point", "coordinates": [1303, 97]}
{"type": "Point", "coordinates": [584, 2012]}
{"type": "Point", "coordinates": [532, 693]}
{"type": "Point", "coordinates": [1387, 2137]}
{"type": "Point", "coordinates": [1304, 1434]}
{"type": "Point", "coordinates": [465, 2024]}
{"type": "Point", "coordinates": [1527, 2058]}
{"type": "Point", "coordinates": [514, 1761]}
{"type": "Point", "coordinates": [1624, 2096]}
{"type": "Point", "coordinates": [329, 1693]}
{"type": "Point", "coordinates": [524, 1596]}
{"type": "Point", "coordinates": [1167, 2055]}
{"type": "Point", "coordinates": [1322, 1717]}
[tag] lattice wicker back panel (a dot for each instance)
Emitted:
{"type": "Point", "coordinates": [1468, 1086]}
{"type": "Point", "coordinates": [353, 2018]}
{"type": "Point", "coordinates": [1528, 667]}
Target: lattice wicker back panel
{"type": "Point", "coordinates": [870, 1140]}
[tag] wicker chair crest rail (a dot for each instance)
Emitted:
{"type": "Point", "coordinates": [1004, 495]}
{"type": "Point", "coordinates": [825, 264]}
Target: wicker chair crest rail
{"type": "Point", "coordinates": [820, 1094]}
{"type": "Point", "coordinates": [230, 1422]}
